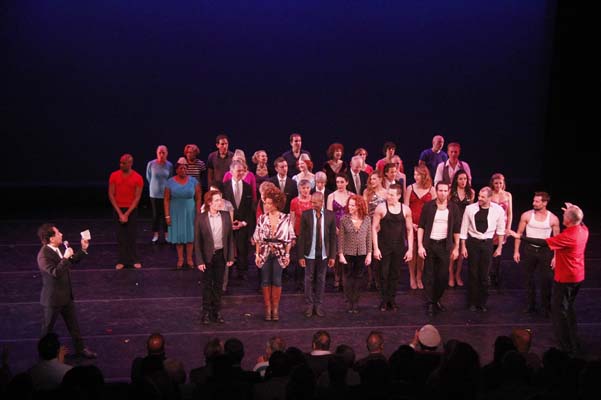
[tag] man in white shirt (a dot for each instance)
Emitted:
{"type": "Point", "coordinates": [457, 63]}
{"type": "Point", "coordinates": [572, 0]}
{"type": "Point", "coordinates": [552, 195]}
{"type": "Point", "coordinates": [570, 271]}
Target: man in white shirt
{"type": "Point", "coordinates": [481, 221]}
{"type": "Point", "coordinates": [447, 170]}
{"type": "Point", "coordinates": [48, 373]}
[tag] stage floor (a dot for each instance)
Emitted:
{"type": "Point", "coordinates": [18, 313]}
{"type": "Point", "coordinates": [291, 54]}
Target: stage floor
{"type": "Point", "coordinates": [118, 309]}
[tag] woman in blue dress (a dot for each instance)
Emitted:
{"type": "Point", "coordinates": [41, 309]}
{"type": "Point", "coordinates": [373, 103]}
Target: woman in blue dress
{"type": "Point", "coordinates": [182, 202]}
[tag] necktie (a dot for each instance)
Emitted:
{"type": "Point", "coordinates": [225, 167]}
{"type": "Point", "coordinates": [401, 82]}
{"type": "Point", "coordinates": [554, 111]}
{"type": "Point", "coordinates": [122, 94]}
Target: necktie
{"type": "Point", "coordinates": [237, 193]}
{"type": "Point", "coordinates": [282, 184]}
{"type": "Point", "coordinates": [318, 239]}
{"type": "Point", "coordinates": [357, 184]}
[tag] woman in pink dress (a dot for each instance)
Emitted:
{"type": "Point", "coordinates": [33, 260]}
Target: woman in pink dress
{"type": "Point", "coordinates": [416, 196]}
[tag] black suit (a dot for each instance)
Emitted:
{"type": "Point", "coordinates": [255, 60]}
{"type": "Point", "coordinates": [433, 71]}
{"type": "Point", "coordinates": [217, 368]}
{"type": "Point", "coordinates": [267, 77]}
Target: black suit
{"type": "Point", "coordinates": [363, 177]}
{"type": "Point", "coordinates": [57, 295]}
{"type": "Point", "coordinates": [214, 260]}
{"type": "Point", "coordinates": [290, 190]}
{"type": "Point", "coordinates": [326, 193]}
{"type": "Point", "coordinates": [315, 271]}
{"type": "Point", "coordinates": [242, 212]}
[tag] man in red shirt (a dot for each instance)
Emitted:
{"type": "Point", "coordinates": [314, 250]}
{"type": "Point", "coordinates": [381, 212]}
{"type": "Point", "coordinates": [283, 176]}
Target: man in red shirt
{"type": "Point", "coordinates": [569, 248]}
{"type": "Point", "coordinates": [125, 189]}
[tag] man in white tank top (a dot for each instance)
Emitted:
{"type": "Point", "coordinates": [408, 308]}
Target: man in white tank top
{"type": "Point", "coordinates": [537, 223]}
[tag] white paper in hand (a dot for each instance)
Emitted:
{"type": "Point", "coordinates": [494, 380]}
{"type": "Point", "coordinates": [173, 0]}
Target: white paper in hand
{"type": "Point", "coordinates": [85, 235]}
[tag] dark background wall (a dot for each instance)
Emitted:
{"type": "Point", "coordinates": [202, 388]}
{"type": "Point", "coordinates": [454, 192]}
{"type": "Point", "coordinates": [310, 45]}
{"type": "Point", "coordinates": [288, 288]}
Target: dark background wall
{"type": "Point", "coordinates": [83, 82]}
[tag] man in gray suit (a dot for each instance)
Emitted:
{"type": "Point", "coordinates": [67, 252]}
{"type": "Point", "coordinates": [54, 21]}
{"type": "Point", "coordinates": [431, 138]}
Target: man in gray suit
{"type": "Point", "coordinates": [57, 295]}
{"type": "Point", "coordinates": [214, 248]}
{"type": "Point", "coordinates": [316, 249]}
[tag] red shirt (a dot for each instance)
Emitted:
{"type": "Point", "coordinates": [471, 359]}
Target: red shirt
{"type": "Point", "coordinates": [125, 187]}
{"type": "Point", "coordinates": [298, 207]}
{"type": "Point", "coordinates": [569, 248]}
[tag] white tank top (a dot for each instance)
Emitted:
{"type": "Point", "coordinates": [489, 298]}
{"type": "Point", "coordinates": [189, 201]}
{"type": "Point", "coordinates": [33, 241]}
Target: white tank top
{"type": "Point", "coordinates": [539, 229]}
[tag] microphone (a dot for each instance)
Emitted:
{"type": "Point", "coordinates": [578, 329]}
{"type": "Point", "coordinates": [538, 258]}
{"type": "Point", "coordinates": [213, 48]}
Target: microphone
{"type": "Point", "coordinates": [66, 243]}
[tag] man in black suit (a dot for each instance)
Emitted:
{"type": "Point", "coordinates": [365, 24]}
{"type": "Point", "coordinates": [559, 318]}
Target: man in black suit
{"type": "Point", "coordinates": [316, 244]}
{"type": "Point", "coordinates": [214, 248]}
{"type": "Point", "coordinates": [283, 182]}
{"type": "Point", "coordinates": [57, 295]}
{"type": "Point", "coordinates": [357, 179]}
{"type": "Point", "coordinates": [437, 241]}
{"type": "Point", "coordinates": [240, 194]}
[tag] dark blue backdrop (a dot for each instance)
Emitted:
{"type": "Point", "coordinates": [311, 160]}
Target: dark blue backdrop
{"type": "Point", "coordinates": [84, 81]}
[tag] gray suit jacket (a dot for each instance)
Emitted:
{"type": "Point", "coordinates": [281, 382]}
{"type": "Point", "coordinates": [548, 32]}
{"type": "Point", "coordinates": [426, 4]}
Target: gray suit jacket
{"type": "Point", "coordinates": [203, 238]}
{"type": "Point", "coordinates": [56, 277]}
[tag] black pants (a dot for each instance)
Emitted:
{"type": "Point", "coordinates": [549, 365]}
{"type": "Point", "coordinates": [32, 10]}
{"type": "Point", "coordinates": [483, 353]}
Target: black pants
{"type": "Point", "coordinates": [241, 239]}
{"type": "Point", "coordinates": [537, 262]}
{"type": "Point", "coordinates": [563, 315]}
{"type": "Point", "coordinates": [478, 261]}
{"type": "Point", "coordinates": [126, 239]}
{"type": "Point", "coordinates": [212, 283]}
{"type": "Point", "coordinates": [390, 269]}
{"type": "Point", "coordinates": [436, 270]}
{"type": "Point", "coordinates": [69, 316]}
{"type": "Point", "coordinates": [353, 277]}
{"type": "Point", "coordinates": [158, 215]}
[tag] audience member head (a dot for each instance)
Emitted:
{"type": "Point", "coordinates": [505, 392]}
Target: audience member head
{"type": "Point", "coordinates": [503, 344]}
{"type": "Point", "coordinates": [347, 353]}
{"type": "Point", "coordinates": [301, 384]}
{"type": "Point", "coordinates": [83, 382]}
{"type": "Point", "coordinates": [401, 363]}
{"type": "Point", "coordinates": [213, 348]}
{"type": "Point", "coordinates": [375, 342]}
{"type": "Point", "coordinates": [156, 345]}
{"type": "Point", "coordinates": [522, 339]}
{"type": "Point", "coordinates": [337, 369]}
{"type": "Point", "coordinates": [296, 356]}
{"type": "Point", "coordinates": [234, 348]}
{"type": "Point", "coordinates": [275, 343]}
{"type": "Point", "coordinates": [428, 338]}
{"type": "Point", "coordinates": [49, 346]}
{"type": "Point", "coordinates": [175, 370]}
{"type": "Point", "coordinates": [321, 340]}
{"type": "Point", "coordinates": [278, 364]}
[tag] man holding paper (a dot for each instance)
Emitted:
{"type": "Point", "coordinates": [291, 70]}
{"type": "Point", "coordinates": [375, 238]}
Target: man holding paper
{"type": "Point", "coordinates": [57, 295]}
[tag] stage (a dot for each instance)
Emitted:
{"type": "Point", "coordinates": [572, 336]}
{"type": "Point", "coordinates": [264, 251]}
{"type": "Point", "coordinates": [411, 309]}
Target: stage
{"type": "Point", "coordinates": [118, 309]}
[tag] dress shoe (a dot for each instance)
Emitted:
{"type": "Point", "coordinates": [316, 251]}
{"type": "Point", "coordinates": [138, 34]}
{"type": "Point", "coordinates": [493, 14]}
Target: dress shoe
{"type": "Point", "coordinates": [430, 310]}
{"type": "Point", "coordinates": [440, 307]}
{"type": "Point", "coordinates": [137, 265]}
{"type": "Point", "coordinates": [309, 312]}
{"type": "Point", "coordinates": [87, 353]}
{"type": "Point", "coordinates": [219, 318]}
{"type": "Point", "coordinates": [206, 320]}
{"type": "Point", "coordinates": [483, 308]}
{"type": "Point", "coordinates": [392, 306]}
{"type": "Point", "coordinates": [319, 312]}
{"type": "Point", "coordinates": [155, 239]}
{"type": "Point", "coordinates": [383, 306]}
{"type": "Point", "coordinates": [473, 308]}
{"type": "Point", "coordinates": [119, 266]}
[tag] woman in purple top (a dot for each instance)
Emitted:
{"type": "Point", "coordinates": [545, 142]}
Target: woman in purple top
{"type": "Point", "coordinates": [337, 202]}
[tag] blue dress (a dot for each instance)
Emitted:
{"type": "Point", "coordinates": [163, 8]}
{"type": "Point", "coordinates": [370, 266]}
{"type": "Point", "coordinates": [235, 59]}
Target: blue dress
{"type": "Point", "coordinates": [182, 209]}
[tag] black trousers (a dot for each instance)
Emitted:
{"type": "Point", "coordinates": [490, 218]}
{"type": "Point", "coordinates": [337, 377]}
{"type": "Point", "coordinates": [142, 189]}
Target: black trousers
{"type": "Point", "coordinates": [537, 263]}
{"type": "Point", "coordinates": [126, 239]}
{"type": "Point", "coordinates": [241, 239]}
{"type": "Point", "coordinates": [563, 315]}
{"type": "Point", "coordinates": [212, 283]}
{"type": "Point", "coordinates": [390, 269]}
{"type": "Point", "coordinates": [436, 270]}
{"type": "Point", "coordinates": [69, 316]}
{"type": "Point", "coordinates": [158, 215]}
{"type": "Point", "coordinates": [353, 277]}
{"type": "Point", "coordinates": [478, 261]}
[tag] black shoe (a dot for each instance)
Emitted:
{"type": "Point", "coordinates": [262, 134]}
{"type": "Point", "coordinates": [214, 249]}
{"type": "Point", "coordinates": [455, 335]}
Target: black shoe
{"type": "Point", "coordinates": [87, 353]}
{"type": "Point", "coordinates": [218, 318]}
{"type": "Point", "coordinates": [430, 310]}
{"type": "Point", "coordinates": [483, 308]}
{"type": "Point", "coordinates": [473, 308]}
{"type": "Point", "coordinates": [383, 306]}
{"type": "Point", "coordinates": [392, 306]}
{"type": "Point", "coordinates": [319, 312]}
{"type": "Point", "coordinates": [440, 307]}
{"type": "Point", "coordinates": [206, 320]}
{"type": "Point", "coordinates": [309, 312]}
